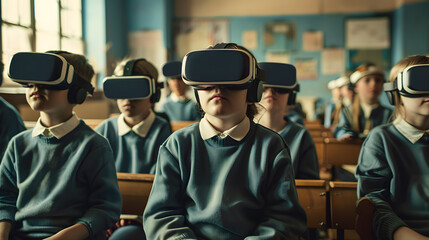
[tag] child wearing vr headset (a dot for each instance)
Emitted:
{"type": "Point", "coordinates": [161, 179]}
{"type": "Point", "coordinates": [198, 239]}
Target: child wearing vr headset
{"type": "Point", "coordinates": [57, 180]}
{"type": "Point", "coordinates": [278, 87]}
{"type": "Point", "coordinates": [393, 164]}
{"type": "Point", "coordinates": [178, 106]}
{"type": "Point", "coordinates": [224, 177]}
{"type": "Point", "coordinates": [367, 112]}
{"type": "Point", "coordinates": [10, 120]}
{"type": "Point", "coordinates": [331, 107]}
{"type": "Point", "coordinates": [136, 134]}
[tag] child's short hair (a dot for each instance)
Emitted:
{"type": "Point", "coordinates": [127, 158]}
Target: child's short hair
{"type": "Point", "coordinates": [398, 68]}
{"type": "Point", "coordinates": [80, 65]}
{"type": "Point", "coordinates": [142, 67]}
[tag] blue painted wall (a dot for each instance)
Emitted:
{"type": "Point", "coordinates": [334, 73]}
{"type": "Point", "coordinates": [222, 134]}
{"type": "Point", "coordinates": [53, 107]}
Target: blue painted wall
{"type": "Point", "coordinates": [410, 32]}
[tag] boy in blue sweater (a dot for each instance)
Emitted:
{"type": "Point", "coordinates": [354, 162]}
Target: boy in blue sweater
{"type": "Point", "coordinates": [224, 177]}
{"type": "Point", "coordinates": [280, 80]}
{"type": "Point", "coordinates": [57, 180]}
{"type": "Point", "coordinates": [178, 106]}
{"type": "Point", "coordinates": [393, 168]}
{"type": "Point", "coordinates": [11, 122]}
{"type": "Point", "coordinates": [136, 134]}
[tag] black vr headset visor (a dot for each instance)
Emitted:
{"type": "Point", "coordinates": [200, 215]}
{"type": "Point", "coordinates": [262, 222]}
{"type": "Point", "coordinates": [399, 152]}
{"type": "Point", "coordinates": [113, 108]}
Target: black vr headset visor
{"type": "Point", "coordinates": [279, 76]}
{"type": "Point", "coordinates": [412, 82]}
{"type": "Point", "coordinates": [172, 69]}
{"type": "Point", "coordinates": [232, 68]}
{"type": "Point", "coordinates": [129, 87]}
{"type": "Point", "coordinates": [48, 70]}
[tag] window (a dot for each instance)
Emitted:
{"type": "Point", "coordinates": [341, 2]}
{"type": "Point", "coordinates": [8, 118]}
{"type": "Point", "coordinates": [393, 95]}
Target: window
{"type": "Point", "coordinates": [38, 26]}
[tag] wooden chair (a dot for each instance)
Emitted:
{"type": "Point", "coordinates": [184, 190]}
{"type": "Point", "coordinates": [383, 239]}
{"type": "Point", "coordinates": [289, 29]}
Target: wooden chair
{"type": "Point", "coordinates": [135, 190]}
{"type": "Point", "coordinates": [338, 153]}
{"type": "Point", "coordinates": [343, 199]}
{"type": "Point", "coordinates": [178, 125]}
{"type": "Point", "coordinates": [313, 197]}
{"type": "Point", "coordinates": [365, 215]}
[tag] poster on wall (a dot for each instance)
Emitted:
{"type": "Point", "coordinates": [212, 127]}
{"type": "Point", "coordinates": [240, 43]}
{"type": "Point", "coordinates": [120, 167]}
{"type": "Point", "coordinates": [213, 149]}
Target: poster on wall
{"type": "Point", "coordinates": [312, 41]}
{"type": "Point", "coordinates": [368, 33]}
{"type": "Point", "coordinates": [280, 57]}
{"type": "Point", "coordinates": [333, 61]}
{"type": "Point", "coordinates": [306, 68]}
{"type": "Point", "coordinates": [190, 35]}
{"type": "Point", "coordinates": [250, 39]}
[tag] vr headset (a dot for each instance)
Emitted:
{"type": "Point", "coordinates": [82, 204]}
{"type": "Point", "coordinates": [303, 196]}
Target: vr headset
{"type": "Point", "coordinates": [412, 82]}
{"type": "Point", "coordinates": [232, 68]}
{"type": "Point", "coordinates": [172, 69]}
{"type": "Point", "coordinates": [132, 87]}
{"type": "Point", "coordinates": [51, 71]}
{"type": "Point", "coordinates": [282, 77]}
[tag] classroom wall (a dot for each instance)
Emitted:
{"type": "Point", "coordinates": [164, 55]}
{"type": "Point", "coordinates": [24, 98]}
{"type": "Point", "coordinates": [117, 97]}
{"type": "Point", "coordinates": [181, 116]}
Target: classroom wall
{"type": "Point", "coordinates": [317, 15]}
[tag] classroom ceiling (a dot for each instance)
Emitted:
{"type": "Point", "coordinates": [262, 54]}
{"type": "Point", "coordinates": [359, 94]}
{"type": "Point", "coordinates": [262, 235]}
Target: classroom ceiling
{"type": "Point", "coordinates": [213, 8]}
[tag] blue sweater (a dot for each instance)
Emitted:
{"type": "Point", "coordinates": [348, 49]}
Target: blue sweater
{"type": "Point", "coordinates": [302, 151]}
{"type": "Point", "coordinates": [181, 110]}
{"type": "Point", "coordinates": [327, 122]}
{"type": "Point", "coordinates": [47, 184]}
{"type": "Point", "coordinates": [394, 174]}
{"type": "Point", "coordinates": [133, 153]}
{"type": "Point", "coordinates": [380, 115]}
{"type": "Point", "coordinates": [11, 124]}
{"type": "Point", "coordinates": [224, 189]}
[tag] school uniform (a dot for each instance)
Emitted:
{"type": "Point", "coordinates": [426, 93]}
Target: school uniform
{"type": "Point", "coordinates": [329, 109]}
{"type": "Point", "coordinates": [302, 151]}
{"type": "Point", "coordinates": [393, 171]}
{"type": "Point", "coordinates": [135, 149]}
{"type": "Point", "coordinates": [369, 117]}
{"type": "Point", "coordinates": [11, 124]}
{"type": "Point", "coordinates": [230, 185]}
{"type": "Point", "coordinates": [180, 109]}
{"type": "Point", "coordinates": [52, 178]}
{"type": "Point", "coordinates": [295, 117]}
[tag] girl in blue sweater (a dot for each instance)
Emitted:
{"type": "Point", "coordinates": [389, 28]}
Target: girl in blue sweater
{"type": "Point", "coordinates": [57, 180]}
{"type": "Point", "coordinates": [393, 165]}
{"type": "Point", "coordinates": [366, 112]}
{"type": "Point", "coordinates": [224, 177]}
{"type": "Point", "coordinates": [280, 80]}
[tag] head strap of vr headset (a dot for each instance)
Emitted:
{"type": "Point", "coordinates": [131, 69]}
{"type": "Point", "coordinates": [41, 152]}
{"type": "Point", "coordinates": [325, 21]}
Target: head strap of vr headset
{"type": "Point", "coordinates": [77, 80]}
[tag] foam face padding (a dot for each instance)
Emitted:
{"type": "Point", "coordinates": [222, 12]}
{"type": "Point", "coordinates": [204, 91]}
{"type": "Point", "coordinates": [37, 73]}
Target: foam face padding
{"type": "Point", "coordinates": [40, 68]}
{"type": "Point", "coordinates": [128, 87]}
{"type": "Point", "coordinates": [280, 75]}
{"type": "Point", "coordinates": [172, 69]}
{"type": "Point", "coordinates": [218, 66]}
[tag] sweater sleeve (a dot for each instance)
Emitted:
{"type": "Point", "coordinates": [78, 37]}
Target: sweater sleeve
{"type": "Point", "coordinates": [8, 186]}
{"type": "Point", "coordinates": [104, 200]}
{"type": "Point", "coordinates": [164, 217]}
{"type": "Point", "coordinates": [308, 165]}
{"type": "Point", "coordinates": [374, 176]}
{"type": "Point", "coordinates": [343, 127]}
{"type": "Point", "coordinates": [284, 217]}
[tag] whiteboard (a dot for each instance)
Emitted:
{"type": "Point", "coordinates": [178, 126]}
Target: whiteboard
{"type": "Point", "coordinates": [368, 33]}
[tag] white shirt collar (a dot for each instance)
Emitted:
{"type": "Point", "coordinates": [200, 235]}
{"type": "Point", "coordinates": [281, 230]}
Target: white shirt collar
{"type": "Point", "coordinates": [141, 129]}
{"type": "Point", "coordinates": [238, 132]}
{"type": "Point", "coordinates": [176, 98]}
{"type": "Point", "coordinates": [409, 131]}
{"type": "Point", "coordinates": [367, 109]}
{"type": "Point", "coordinates": [58, 131]}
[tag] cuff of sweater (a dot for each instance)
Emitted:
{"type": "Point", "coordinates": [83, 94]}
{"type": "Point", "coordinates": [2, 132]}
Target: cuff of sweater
{"type": "Point", "coordinates": [391, 225]}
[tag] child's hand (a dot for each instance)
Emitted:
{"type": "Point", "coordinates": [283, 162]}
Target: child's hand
{"type": "Point", "coordinates": [346, 138]}
{"type": "Point", "coordinates": [405, 233]}
{"type": "Point", "coordinates": [118, 224]}
{"type": "Point", "coordinates": [75, 232]}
